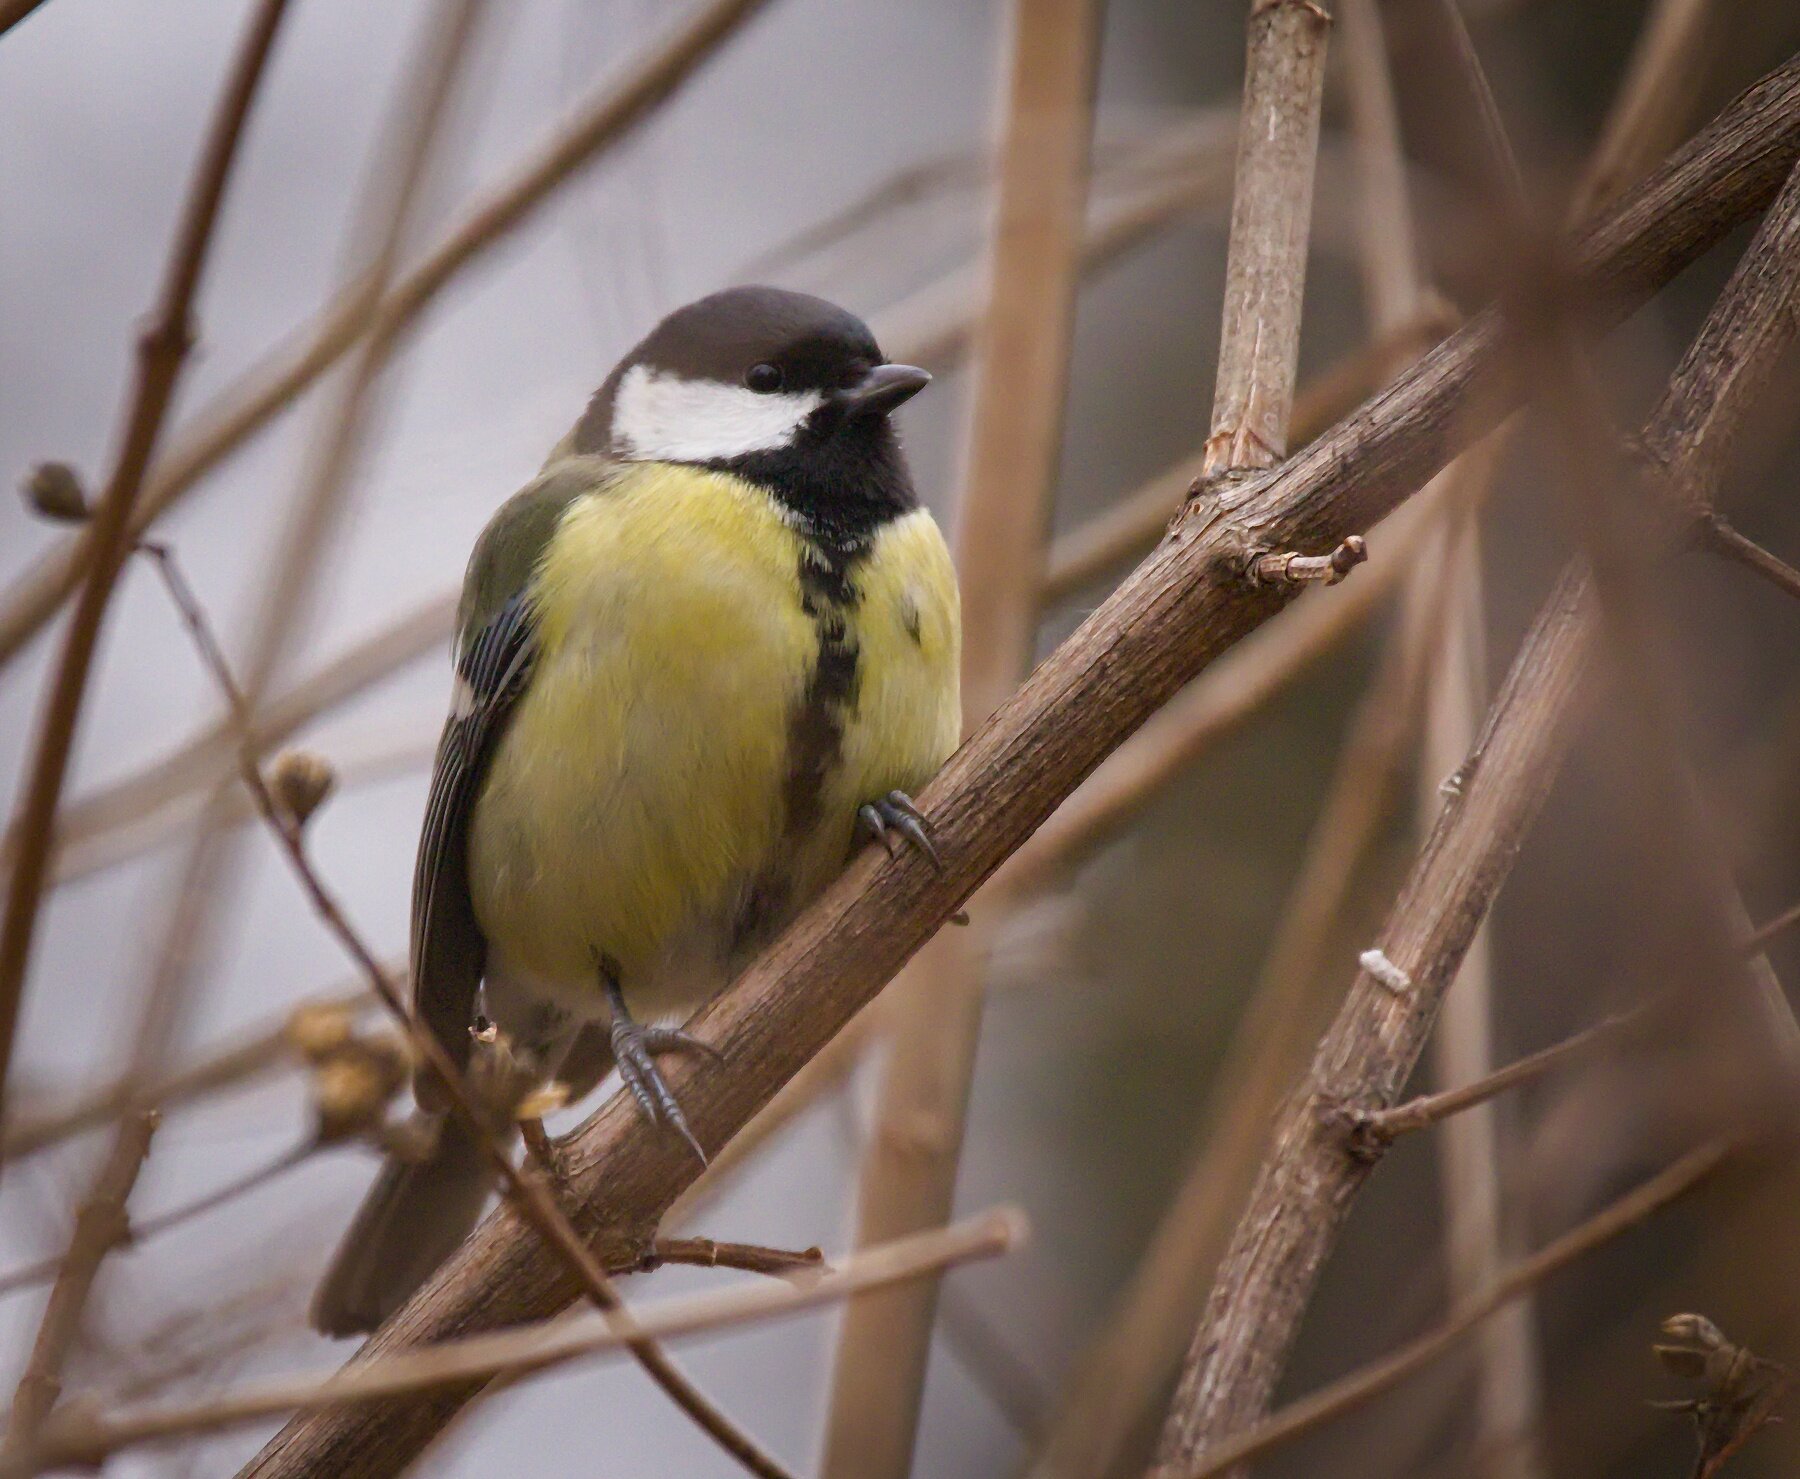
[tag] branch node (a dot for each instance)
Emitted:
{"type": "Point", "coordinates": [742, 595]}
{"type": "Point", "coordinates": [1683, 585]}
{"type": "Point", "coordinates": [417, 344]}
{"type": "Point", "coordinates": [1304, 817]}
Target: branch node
{"type": "Point", "coordinates": [1363, 1133]}
{"type": "Point", "coordinates": [1384, 972]}
{"type": "Point", "coordinates": [1287, 567]}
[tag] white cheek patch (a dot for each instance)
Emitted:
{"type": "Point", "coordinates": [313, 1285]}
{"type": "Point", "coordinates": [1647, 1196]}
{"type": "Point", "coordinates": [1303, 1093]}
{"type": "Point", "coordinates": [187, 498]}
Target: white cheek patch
{"type": "Point", "coordinates": [658, 417]}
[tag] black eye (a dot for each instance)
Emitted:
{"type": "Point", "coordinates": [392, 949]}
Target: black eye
{"type": "Point", "coordinates": [764, 379]}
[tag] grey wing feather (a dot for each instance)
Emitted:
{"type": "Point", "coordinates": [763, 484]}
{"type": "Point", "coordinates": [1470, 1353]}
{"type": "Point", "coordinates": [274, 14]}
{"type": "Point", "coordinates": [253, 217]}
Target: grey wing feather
{"type": "Point", "coordinates": [449, 951]}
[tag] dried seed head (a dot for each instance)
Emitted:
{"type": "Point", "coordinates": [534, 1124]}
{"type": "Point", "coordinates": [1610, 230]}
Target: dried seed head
{"type": "Point", "coordinates": [347, 1098]}
{"type": "Point", "coordinates": [351, 1091]}
{"type": "Point", "coordinates": [299, 782]}
{"type": "Point", "coordinates": [53, 491]}
{"type": "Point", "coordinates": [317, 1029]}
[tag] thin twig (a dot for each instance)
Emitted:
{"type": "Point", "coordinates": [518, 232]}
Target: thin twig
{"type": "Point", "coordinates": [907, 1178]}
{"type": "Point", "coordinates": [99, 1228]}
{"type": "Point", "coordinates": [782, 1263]}
{"type": "Point", "coordinates": [85, 1436]}
{"type": "Point", "coordinates": [132, 1233]}
{"type": "Point", "coordinates": [207, 876]}
{"type": "Point", "coordinates": [1785, 920]}
{"type": "Point", "coordinates": [1720, 536]}
{"type": "Point", "coordinates": [162, 351]}
{"type": "Point", "coordinates": [1380, 1126]}
{"type": "Point", "coordinates": [1363, 1386]}
{"type": "Point", "coordinates": [1182, 608]}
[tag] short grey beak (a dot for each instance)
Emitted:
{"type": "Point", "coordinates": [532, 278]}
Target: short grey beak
{"type": "Point", "coordinates": [882, 389]}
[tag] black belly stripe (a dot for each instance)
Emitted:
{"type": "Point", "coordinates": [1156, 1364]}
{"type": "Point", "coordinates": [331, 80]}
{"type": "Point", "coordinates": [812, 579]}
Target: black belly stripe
{"type": "Point", "coordinates": [816, 723]}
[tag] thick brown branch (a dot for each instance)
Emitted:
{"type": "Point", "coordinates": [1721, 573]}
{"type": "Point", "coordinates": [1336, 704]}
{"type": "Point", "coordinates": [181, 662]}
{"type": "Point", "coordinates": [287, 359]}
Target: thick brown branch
{"type": "Point", "coordinates": [1183, 607]}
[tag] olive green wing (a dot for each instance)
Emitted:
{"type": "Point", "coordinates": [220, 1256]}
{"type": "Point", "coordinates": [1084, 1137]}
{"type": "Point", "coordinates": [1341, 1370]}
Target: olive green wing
{"type": "Point", "coordinates": [496, 653]}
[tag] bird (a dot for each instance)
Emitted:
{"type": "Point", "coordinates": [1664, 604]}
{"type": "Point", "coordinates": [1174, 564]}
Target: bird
{"type": "Point", "coordinates": [708, 652]}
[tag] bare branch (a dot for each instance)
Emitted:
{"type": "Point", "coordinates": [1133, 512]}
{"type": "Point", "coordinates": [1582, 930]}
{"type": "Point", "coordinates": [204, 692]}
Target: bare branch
{"type": "Point", "coordinates": [162, 351]}
{"type": "Point", "coordinates": [85, 1436]}
{"type": "Point", "coordinates": [784, 1263]}
{"type": "Point", "coordinates": [1183, 607]}
{"type": "Point", "coordinates": [1271, 217]}
{"type": "Point", "coordinates": [1129, 527]}
{"type": "Point", "coordinates": [1125, 1369]}
{"type": "Point", "coordinates": [1376, 1128]}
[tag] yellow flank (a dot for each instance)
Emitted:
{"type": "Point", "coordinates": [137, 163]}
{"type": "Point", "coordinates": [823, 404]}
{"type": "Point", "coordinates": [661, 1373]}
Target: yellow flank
{"type": "Point", "coordinates": [636, 797]}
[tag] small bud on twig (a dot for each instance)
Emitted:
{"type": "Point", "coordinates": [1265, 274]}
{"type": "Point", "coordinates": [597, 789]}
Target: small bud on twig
{"type": "Point", "coordinates": [53, 491]}
{"type": "Point", "coordinates": [299, 782]}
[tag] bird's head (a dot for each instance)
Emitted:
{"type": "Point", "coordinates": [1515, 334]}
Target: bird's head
{"type": "Point", "coordinates": [745, 374]}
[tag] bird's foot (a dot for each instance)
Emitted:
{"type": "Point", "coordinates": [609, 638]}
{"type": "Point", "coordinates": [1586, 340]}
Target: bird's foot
{"type": "Point", "coordinates": [635, 1047]}
{"type": "Point", "coordinates": [893, 821]}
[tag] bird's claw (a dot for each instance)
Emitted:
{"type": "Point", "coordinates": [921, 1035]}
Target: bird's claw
{"type": "Point", "coordinates": [893, 820]}
{"type": "Point", "coordinates": [634, 1050]}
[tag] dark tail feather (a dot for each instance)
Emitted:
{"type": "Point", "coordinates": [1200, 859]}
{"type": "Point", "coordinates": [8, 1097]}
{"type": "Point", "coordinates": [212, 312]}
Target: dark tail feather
{"type": "Point", "coordinates": [410, 1222]}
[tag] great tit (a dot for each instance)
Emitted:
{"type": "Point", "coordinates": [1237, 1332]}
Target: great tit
{"type": "Point", "coordinates": [714, 642]}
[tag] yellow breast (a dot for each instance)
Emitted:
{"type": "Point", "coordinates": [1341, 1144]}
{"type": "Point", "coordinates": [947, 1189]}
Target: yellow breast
{"type": "Point", "coordinates": [637, 800]}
